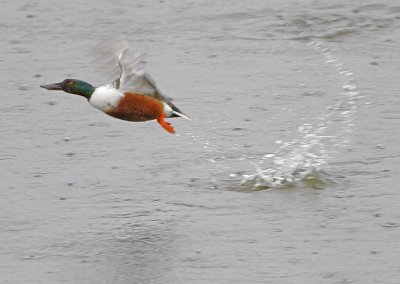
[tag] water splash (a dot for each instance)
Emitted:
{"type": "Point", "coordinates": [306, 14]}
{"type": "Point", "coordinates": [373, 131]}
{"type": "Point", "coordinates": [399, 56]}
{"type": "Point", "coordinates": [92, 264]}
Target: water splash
{"type": "Point", "coordinates": [302, 157]}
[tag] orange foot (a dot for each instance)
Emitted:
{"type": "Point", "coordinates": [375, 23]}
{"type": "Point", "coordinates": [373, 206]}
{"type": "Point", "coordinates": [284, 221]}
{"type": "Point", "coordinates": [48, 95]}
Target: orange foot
{"type": "Point", "coordinates": [166, 125]}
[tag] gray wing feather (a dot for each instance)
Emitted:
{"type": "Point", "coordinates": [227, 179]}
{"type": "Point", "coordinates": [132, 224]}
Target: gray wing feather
{"type": "Point", "coordinates": [134, 79]}
{"type": "Point", "coordinates": [128, 69]}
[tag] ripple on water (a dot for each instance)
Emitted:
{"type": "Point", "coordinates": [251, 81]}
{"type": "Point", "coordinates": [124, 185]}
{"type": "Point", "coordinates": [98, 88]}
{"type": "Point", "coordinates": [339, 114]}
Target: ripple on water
{"type": "Point", "coordinates": [315, 180]}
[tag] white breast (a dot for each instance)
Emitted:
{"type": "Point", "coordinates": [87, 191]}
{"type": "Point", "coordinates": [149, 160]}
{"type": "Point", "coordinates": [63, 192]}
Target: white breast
{"type": "Point", "coordinates": [105, 98]}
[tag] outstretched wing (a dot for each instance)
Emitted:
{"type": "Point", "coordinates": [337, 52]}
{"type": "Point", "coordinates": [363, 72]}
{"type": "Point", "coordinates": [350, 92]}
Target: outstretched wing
{"type": "Point", "coordinates": [134, 79]}
{"type": "Point", "coordinates": [131, 76]}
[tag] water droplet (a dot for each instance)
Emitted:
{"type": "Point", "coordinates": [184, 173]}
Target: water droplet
{"type": "Point", "coordinates": [349, 87]}
{"type": "Point", "coordinates": [23, 87]}
{"type": "Point", "coordinates": [268, 156]}
{"type": "Point", "coordinates": [52, 102]}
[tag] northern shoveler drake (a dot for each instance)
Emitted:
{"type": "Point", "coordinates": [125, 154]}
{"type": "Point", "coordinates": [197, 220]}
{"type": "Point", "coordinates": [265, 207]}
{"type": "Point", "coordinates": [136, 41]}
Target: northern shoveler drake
{"type": "Point", "coordinates": [134, 96]}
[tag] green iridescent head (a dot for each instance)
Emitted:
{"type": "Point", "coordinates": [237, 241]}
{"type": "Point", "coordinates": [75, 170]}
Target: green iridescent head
{"type": "Point", "coordinates": [72, 86]}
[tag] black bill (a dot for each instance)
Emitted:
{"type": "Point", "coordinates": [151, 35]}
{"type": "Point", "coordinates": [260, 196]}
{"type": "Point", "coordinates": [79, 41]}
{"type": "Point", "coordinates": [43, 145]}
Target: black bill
{"type": "Point", "coordinates": [55, 86]}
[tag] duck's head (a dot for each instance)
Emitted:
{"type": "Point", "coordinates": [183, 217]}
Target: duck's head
{"type": "Point", "coordinates": [72, 86]}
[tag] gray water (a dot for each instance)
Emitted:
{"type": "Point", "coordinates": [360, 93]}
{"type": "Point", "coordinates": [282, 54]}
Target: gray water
{"type": "Point", "coordinates": [288, 172]}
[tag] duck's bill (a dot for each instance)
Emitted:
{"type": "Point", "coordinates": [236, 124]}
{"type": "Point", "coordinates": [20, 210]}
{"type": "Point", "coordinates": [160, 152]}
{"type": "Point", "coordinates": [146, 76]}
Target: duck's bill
{"type": "Point", "coordinates": [55, 86]}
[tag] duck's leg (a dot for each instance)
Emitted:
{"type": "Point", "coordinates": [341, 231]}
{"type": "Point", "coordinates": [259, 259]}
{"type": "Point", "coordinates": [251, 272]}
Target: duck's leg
{"type": "Point", "coordinates": [165, 124]}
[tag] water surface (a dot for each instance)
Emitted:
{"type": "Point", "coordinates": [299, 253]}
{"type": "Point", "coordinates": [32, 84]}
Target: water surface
{"type": "Point", "coordinates": [288, 173]}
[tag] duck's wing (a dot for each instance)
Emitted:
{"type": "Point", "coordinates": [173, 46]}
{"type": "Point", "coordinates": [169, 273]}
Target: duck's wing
{"type": "Point", "coordinates": [134, 79]}
{"type": "Point", "coordinates": [128, 68]}
{"type": "Point", "coordinates": [130, 71]}
{"type": "Point", "coordinates": [132, 75]}
{"type": "Point", "coordinates": [105, 55]}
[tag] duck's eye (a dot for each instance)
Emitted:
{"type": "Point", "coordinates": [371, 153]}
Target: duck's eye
{"type": "Point", "coordinates": [70, 83]}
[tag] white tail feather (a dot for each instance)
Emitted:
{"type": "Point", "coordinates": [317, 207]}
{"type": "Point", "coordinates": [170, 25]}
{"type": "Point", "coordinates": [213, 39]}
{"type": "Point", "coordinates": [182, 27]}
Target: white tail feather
{"type": "Point", "coordinates": [181, 115]}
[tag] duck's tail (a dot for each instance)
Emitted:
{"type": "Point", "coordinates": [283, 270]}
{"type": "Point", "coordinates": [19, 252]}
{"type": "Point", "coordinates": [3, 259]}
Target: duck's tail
{"type": "Point", "coordinates": [177, 113]}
